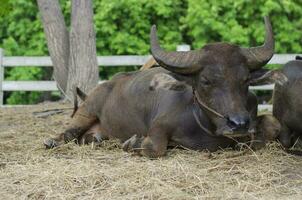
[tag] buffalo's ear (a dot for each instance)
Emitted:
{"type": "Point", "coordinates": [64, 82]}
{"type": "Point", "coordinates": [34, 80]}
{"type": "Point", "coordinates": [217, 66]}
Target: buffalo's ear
{"type": "Point", "coordinates": [81, 94]}
{"type": "Point", "coordinates": [166, 82]}
{"type": "Point", "coordinates": [265, 76]}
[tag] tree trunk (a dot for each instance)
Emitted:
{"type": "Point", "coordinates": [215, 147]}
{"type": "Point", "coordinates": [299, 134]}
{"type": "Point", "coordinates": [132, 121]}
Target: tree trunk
{"type": "Point", "coordinates": [83, 67]}
{"type": "Point", "coordinates": [57, 40]}
{"type": "Point", "coordinates": [73, 56]}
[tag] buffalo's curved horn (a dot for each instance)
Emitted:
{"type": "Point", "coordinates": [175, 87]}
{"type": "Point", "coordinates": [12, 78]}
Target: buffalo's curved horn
{"type": "Point", "coordinates": [259, 56]}
{"type": "Point", "coordinates": [178, 62]}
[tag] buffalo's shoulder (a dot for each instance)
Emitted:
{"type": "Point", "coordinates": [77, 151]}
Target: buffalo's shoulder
{"type": "Point", "coordinates": [293, 70]}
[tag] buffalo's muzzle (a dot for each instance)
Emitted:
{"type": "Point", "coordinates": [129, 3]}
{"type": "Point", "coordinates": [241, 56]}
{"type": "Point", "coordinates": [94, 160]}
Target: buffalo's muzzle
{"type": "Point", "coordinates": [238, 122]}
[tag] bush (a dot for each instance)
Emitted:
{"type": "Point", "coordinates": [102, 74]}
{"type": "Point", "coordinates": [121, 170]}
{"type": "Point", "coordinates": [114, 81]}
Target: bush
{"type": "Point", "coordinates": [241, 22]}
{"type": "Point", "coordinates": [122, 27]}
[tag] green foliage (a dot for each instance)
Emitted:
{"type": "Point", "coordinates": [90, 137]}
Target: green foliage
{"type": "Point", "coordinates": [4, 8]}
{"type": "Point", "coordinates": [241, 22]}
{"type": "Point", "coordinates": [23, 97]}
{"type": "Point", "coordinates": [122, 27]}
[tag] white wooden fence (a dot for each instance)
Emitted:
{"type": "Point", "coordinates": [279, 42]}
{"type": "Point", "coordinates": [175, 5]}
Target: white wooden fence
{"type": "Point", "coordinates": [106, 61]}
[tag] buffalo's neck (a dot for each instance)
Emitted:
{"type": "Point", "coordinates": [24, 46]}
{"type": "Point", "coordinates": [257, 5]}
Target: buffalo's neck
{"type": "Point", "coordinates": [202, 119]}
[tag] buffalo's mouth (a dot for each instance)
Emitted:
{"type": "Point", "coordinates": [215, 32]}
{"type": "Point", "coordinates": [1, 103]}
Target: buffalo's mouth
{"type": "Point", "coordinates": [237, 133]}
{"type": "Point", "coordinates": [230, 132]}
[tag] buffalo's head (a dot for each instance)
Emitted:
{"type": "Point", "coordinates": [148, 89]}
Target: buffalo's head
{"type": "Point", "coordinates": [221, 74]}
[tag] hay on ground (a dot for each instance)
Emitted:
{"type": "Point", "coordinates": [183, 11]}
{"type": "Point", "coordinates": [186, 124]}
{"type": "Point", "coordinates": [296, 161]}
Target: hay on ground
{"type": "Point", "coordinates": [27, 170]}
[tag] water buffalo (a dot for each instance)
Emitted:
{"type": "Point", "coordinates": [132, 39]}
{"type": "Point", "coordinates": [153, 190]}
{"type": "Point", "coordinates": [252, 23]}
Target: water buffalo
{"type": "Point", "coordinates": [197, 99]}
{"type": "Point", "coordinates": [287, 103]}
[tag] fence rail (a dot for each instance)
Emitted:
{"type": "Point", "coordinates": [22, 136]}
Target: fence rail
{"type": "Point", "coordinates": [106, 61]}
{"type": "Point", "coordinates": [44, 61]}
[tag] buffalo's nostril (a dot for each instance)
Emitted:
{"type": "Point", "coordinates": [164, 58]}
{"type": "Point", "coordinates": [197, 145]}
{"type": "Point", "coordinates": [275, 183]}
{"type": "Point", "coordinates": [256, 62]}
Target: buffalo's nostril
{"type": "Point", "coordinates": [231, 122]}
{"type": "Point", "coordinates": [238, 122]}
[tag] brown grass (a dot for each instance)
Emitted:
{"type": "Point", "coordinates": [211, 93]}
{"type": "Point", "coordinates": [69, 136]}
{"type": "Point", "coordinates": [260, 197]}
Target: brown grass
{"type": "Point", "coordinates": [28, 171]}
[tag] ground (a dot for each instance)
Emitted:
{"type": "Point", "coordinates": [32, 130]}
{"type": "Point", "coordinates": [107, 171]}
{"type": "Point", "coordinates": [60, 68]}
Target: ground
{"type": "Point", "coordinates": [29, 171]}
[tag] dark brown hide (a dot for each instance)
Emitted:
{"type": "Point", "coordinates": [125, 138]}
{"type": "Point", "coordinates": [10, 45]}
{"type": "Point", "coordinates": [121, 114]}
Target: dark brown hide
{"type": "Point", "coordinates": [287, 103]}
{"type": "Point", "coordinates": [164, 116]}
{"type": "Point", "coordinates": [148, 118]}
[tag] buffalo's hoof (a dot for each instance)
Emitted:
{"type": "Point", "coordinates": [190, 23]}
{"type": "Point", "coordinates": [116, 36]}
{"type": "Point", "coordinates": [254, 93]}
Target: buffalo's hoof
{"type": "Point", "coordinates": [50, 143]}
{"type": "Point", "coordinates": [69, 136]}
{"type": "Point", "coordinates": [97, 138]}
{"type": "Point", "coordinates": [252, 131]}
{"type": "Point", "coordinates": [133, 144]}
{"type": "Point", "coordinates": [92, 138]}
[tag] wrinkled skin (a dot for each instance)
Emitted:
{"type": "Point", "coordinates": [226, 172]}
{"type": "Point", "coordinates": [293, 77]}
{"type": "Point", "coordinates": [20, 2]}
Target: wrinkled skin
{"type": "Point", "coordinates": [164, 117]}
{"type": "Point", "coordinates": [148, 112]}
{"type": "Point", "coordinates": [287, 103]}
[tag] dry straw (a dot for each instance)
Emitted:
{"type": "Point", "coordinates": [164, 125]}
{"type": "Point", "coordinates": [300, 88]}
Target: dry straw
{"type": "Point", "coordinates": [28, 171]}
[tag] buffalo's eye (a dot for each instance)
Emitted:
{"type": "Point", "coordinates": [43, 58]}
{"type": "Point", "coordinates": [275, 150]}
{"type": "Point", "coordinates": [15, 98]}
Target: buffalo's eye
{"type": "Point", "coordinates": [205, 81]}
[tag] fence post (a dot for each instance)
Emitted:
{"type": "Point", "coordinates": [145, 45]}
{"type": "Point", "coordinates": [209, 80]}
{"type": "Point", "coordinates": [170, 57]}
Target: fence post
{"type": "Point", "coordinates": [1, 77]}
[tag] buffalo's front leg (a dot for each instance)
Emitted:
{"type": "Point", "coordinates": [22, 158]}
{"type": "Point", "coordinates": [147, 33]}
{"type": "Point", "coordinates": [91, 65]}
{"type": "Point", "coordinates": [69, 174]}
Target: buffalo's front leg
{"type": "Point", "coordinates": [133, 144]}
{"type": "Point", "coordinates": [50, 143]}
{"type": "Point", "coordinates": [153, 145]}
{"type": "Point", "coordinates": [252, 107]}
{"type": "Point", "coordinates": [81, 122]}
{"type": "Point", "coordinates": [93, 135]}
{"type": "Point", "coordinates": [285, 136]}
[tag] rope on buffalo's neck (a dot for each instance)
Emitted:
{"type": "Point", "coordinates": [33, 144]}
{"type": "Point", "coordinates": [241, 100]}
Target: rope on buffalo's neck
{"type": "Point", "coordinates": [200, 124]}
{"type": "Point", "coordinates": [201, 103]}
